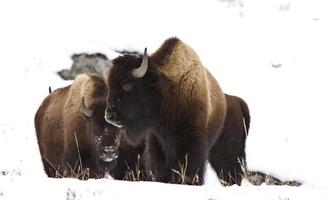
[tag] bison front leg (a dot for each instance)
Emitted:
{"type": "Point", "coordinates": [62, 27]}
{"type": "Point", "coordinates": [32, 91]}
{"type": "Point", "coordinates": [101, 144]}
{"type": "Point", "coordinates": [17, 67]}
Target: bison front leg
{"type": "Point", "coordinates": [156, 160]}
{"type": "Point", "coordinates": [172, 159]}
{"type": "Point", "coordinates": [191, 161]}
{"type": "Point", "coordinates": [226, 157]}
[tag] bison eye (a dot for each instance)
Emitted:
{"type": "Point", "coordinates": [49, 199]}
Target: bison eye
{"type": "Point", "coordinates": [128, 87]}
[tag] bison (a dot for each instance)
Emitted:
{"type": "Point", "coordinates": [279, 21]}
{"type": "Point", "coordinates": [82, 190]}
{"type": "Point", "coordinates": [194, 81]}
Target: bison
{"type": "Point", "coordinates": [73, 137]}
{"type": "Point", "coordinates": [69, 132]}
{"type": "Point", "coordinates": [172, 101]}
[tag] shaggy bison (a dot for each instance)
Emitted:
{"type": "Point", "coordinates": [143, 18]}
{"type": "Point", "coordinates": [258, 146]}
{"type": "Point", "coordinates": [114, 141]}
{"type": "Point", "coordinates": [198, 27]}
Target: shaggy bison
{"type": "Point", "coordinates": [173, 102]}
{"type": "Point", "coordinates": [73, 137]}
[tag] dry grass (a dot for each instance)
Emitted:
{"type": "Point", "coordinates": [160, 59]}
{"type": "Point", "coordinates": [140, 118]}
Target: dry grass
{"type": "Point", "coordinates": [226, 178]}
{"type": "Point", "coordinates": [183, 179]}
{"type": "Point", "coordinates": [76, 171]}
{"type": "Point", "coordinates": [79, 154]}
{"type": "Point", "coordinates": [136, 174]}
{"type": "Point", "coordinates": [182, 174]}
{"type": "Point", "coordinates": [71, 172]}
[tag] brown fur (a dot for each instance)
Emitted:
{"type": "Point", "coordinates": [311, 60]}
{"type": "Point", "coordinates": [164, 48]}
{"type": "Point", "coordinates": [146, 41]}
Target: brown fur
{"type": "Point", "coordinates": [228, 153]}
{"type": "Point", "coordinates": [178, 106]}
{"type": "Point", "coordinates": [59, 118]}
{"type": "Point", "coordinates": [192, 86]}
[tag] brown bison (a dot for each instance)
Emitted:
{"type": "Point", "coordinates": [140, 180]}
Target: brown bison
{"type": "Point", "coordinates": [73, 137]}
{"type": "Point", "coordinates": [173, 102]}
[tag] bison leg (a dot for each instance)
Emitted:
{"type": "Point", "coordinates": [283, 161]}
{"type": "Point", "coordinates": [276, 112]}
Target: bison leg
{"type": "Point", "coordinates": [156, 166]}
{"type": "Point", "coordinates": [226, 160]}
{"type": "Point", "coordinates": [191, 161]}
{"type": "Point", "coordinates": [182, 163]}
{"type": "Point", "coordinates": [129, 164]}
{"type": "Point", "coordinates": [120, 171]}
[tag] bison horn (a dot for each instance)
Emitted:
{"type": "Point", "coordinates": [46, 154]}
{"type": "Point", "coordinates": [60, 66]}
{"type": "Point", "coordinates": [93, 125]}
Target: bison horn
{"type": "Point", "coordinates": [140, 72]}
{"type": "Point", "coordinates": [85, 110]}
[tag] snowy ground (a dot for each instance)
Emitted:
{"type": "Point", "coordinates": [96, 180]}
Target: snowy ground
{"type": "Point", "coordinates": [271, 53]}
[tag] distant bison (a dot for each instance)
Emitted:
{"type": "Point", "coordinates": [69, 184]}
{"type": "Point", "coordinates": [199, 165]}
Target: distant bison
{"type": "Point", "coordinates": [174, 102]}
{"type": "Point", "coordinates": [73, 137]}
{"type": "Point", "coordinates": [96, 64]}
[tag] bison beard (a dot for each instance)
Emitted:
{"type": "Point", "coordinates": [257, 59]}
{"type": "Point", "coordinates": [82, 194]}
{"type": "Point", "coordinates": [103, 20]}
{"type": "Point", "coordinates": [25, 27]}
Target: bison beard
{"type": "Point", "coordinates": [173, 102]}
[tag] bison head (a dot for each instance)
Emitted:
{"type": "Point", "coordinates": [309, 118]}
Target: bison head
{"type": "Point", "coordinates": [104, 137]}
{"type": "Point", "coordinates": [133, 96]}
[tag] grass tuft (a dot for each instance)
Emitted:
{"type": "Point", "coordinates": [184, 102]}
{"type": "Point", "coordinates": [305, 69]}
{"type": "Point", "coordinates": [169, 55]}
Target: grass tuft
{"type": "Point", "coordinates": [183, 178]}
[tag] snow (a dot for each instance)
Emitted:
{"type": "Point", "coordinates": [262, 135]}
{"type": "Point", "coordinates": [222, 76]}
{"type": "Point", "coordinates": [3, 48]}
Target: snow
{"type": "Point", "coordinates": [240, 41]}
